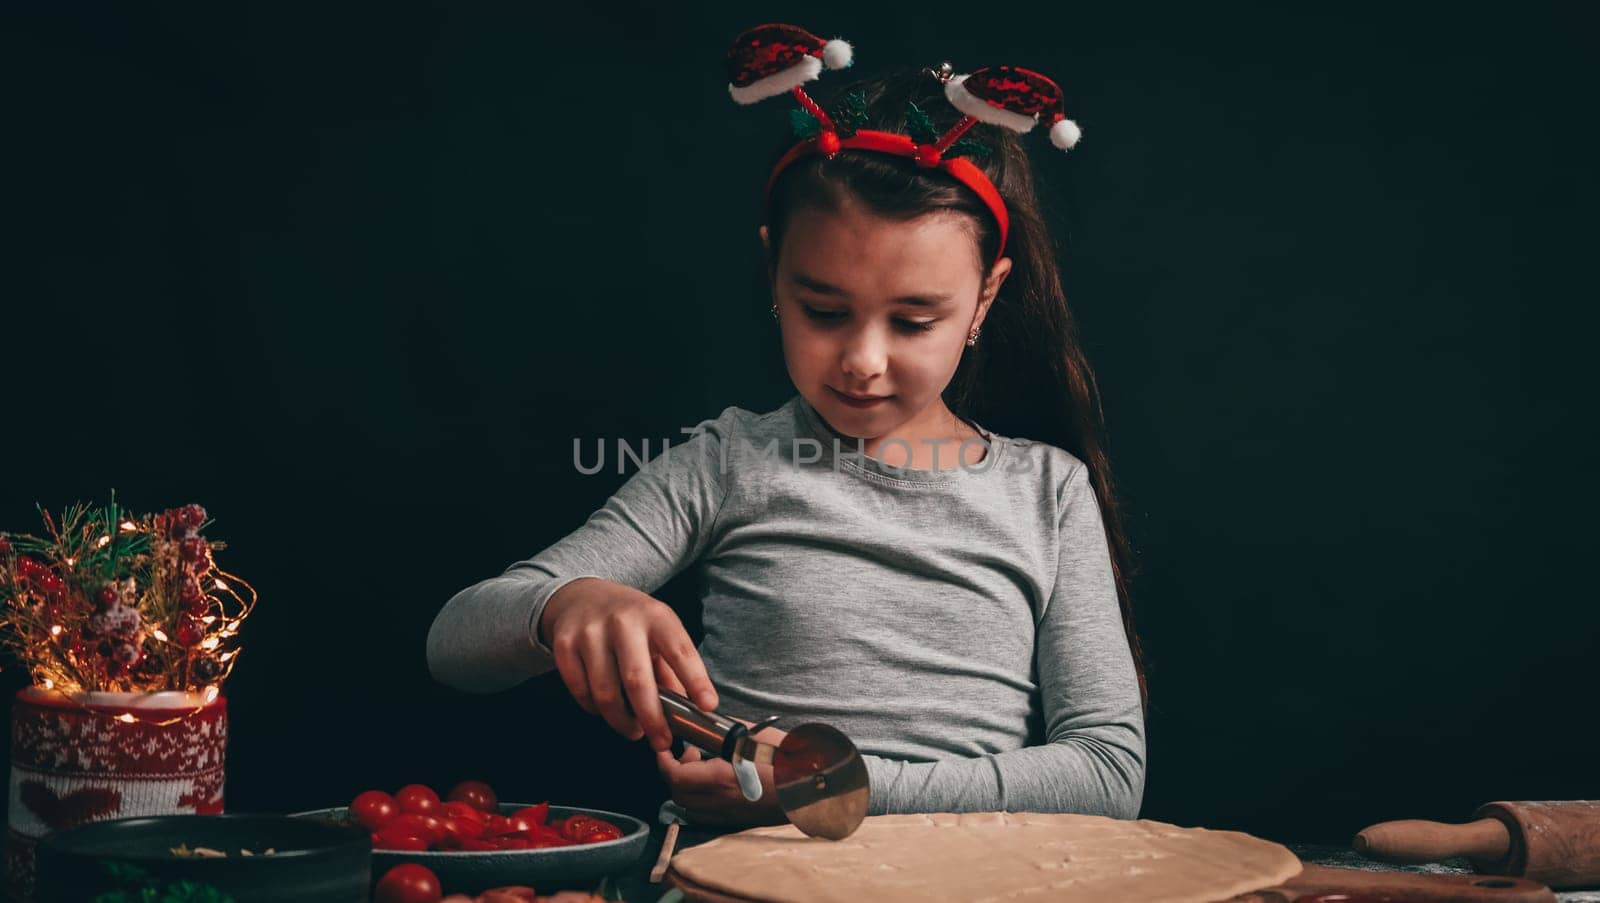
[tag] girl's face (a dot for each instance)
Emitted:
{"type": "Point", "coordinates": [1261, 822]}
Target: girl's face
{"type": "Point", "coordinates": [882, 308]}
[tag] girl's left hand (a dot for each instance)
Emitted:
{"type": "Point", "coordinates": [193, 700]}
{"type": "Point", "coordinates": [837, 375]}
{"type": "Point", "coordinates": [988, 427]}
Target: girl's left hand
{"type": "Point", "coordinates": [709, 791]}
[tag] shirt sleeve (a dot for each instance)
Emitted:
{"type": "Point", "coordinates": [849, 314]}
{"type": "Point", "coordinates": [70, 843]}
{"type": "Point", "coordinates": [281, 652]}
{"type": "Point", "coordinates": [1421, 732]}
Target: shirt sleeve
{"type": "Point", "coordinates": [485, 639]}
{"type": "Point", "coordinates": [1093, 760]}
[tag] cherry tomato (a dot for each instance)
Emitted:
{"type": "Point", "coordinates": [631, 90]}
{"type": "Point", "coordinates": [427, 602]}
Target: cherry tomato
{"type": "Point", "coordinates": [391, 839]}
{"type": "Point", "coordinates": [417, 798]}
{"type": "Point", "coordinates": [476, 794]}
{"type": "Point", "coordinates": [408, 883]}
{"type": "Point", "coordinates": [478, 844]}
{"type": "Point", "coordinates": [424, 826]}
{"type": "Point", "coordinates": [538, 814]}
{"type": "Point", "coordinates": [512, 842]}
{"type": "Point", "coordinates": [458, 809]}
{"type": "Point", "coordinates": [374, 808]}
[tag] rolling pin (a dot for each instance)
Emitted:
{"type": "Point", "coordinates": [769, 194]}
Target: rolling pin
{"type": "Point", "coordinates": [1554, 843]}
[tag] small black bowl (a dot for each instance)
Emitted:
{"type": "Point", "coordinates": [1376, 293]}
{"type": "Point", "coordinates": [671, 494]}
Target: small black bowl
{"type": "Point", "coordinates": [312, 862]}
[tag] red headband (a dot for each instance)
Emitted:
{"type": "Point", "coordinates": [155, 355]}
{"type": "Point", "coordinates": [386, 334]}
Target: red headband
{"type": "Point", "coordinates": [775, 59]}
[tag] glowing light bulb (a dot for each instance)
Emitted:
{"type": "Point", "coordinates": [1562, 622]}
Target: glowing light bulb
{"type": "Point", "coordinates": [125, 718]}
{"type": "Point", "coordinates": [159, 634]}
{"type": "Point", "coordinates": [55, 629]}
{"type": "Point", "coordinates": [210, 643]}
{"type": "Point", "coordinates": [221, 585]}
{"type": "Point", "coordinates": [211, 694]}
{"type": "Point", "coordinates": [129, 526]}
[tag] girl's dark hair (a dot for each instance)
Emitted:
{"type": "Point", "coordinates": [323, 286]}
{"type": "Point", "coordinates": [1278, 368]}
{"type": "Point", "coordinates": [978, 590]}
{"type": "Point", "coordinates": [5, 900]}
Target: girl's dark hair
{"type": "Point", "coordinates": [1027, 376]}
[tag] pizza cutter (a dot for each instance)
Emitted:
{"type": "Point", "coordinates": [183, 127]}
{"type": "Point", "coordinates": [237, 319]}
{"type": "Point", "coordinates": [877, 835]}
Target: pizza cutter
{"type": "Point", "coordinates": [820, 777]}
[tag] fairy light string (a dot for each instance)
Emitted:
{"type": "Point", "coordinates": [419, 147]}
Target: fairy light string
{"type": "Point", "coordinates": [107, 602]}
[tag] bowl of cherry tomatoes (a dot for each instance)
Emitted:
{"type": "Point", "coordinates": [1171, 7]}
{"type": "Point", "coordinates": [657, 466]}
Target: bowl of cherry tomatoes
{"type": "Point", "coordinates": [472, 841]}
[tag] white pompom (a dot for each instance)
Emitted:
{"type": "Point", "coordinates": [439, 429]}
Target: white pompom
{"type": "Point", "coordinates": [836, 54]}
{"type": "Point", "coordinates": [1065, 134]}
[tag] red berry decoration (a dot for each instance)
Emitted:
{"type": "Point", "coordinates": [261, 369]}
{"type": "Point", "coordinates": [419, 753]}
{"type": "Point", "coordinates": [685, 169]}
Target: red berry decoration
{"type": "Point", "coordinates": [193, 550]}
{"type": "Point", "coordinates": [192, 516]}
{"type": "Point", "coordinates": [107, 596]}
{"type": "Point", "coordinates": [190, 632]}
{"type": "Point", "coordinates": [5, 545]}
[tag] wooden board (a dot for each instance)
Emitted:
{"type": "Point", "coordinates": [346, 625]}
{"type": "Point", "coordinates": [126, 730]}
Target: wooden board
{"type": "Point", "coordinates": [1400, 887]}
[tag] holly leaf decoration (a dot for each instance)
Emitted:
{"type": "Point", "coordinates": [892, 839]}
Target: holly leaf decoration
{"type": "Point", "coordinates": [966, 147]}
{"type": "Point", "coordinates": [920, 126]}
{"type": "Point", "coordinates": [803, 124]}
{"type": "Point", "coordinates": [851, 113]}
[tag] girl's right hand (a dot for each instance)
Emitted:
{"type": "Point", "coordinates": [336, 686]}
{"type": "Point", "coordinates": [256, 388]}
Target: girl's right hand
{"type": "Point", "coordinates": [613, 644]}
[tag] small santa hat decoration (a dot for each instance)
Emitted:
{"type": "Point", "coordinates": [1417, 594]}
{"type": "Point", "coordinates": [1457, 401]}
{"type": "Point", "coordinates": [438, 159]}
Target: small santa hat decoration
{"type": "Point", "coordinates": [774, 59]}
{"type": "Point", "coordinates": [1015, 98]}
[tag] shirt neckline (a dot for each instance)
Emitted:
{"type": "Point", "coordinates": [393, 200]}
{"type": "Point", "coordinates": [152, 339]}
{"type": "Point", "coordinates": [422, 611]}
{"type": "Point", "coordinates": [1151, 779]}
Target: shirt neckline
{"type": "Point", "coordinates": [818, 429]}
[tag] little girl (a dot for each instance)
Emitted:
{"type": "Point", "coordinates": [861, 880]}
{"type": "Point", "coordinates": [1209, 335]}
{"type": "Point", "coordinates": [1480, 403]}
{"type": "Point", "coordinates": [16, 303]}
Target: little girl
{"type": "Point", "coordinates": [950, 595]}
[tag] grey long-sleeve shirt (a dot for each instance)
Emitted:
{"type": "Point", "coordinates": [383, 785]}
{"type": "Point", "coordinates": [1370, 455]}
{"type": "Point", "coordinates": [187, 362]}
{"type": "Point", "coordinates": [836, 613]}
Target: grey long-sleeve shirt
{"type": "Point", "coordinates": [959, 624]}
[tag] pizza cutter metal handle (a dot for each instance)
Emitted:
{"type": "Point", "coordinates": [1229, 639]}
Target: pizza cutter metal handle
{"type": "Point", "coordinates": [716, 734]}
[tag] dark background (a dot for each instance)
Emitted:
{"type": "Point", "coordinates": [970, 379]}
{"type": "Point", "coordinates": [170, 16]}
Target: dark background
{"type": "Point", "coordinates": [355, 279]}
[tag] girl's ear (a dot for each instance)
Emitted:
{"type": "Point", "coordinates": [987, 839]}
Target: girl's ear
{"type": "Point", "coordinates": [991, 288]}
{"type": "Point", "coordinates": [764, 242]}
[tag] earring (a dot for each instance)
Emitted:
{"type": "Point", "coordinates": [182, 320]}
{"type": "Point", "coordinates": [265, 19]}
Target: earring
{"type": "Point", "coordinates": [973, 338]}
{"type": "Point", "coordinates": [774, 310]}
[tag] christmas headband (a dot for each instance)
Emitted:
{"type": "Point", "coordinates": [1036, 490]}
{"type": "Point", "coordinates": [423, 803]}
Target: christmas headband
{"type": "Point", "coordinates": [775, 59]}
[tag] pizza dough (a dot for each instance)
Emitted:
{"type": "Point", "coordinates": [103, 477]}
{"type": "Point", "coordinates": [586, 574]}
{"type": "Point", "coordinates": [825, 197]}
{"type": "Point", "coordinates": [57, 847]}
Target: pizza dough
{"type": "Point", "coordinates": [993, 857]}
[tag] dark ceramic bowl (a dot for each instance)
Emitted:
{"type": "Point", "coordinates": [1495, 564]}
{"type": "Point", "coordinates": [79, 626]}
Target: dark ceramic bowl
{"type": "Point", "coordinates": [313, 861]}
{"type": "Point", "coordinates": [577, 867]}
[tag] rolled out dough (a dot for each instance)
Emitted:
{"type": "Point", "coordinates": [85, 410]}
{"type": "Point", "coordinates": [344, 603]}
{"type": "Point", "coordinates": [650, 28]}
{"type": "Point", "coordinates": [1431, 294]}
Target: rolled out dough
{"type": "Point", "coordinates": [992, 857]}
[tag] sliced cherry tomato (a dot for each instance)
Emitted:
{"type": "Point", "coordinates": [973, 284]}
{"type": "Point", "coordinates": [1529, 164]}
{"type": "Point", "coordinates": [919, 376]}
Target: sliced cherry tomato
{"type": "Point", "coordinates": [417, 798]}
{"type": "Point", "coordinates": [425, 826]}
{"type": "Point", "coordinates": [496, 824]}
{"type": "Point", "coordinates": [538, 814]}
{"type": "Point", "coordinates": [512, 842]}
{"type": "Point", "coordinates": [574, 827]}
{"type": "Point", "coordinates": [391, 839]}
{"type": "Point", "coordinates": [517, 894]}
{"type": "Point", "coordinates": [374, 808]}
{"type": "Point", "coordinates": [601, 834]}
{"type": "Point", "coordinates": [546, 832]}
{"type": "Point", "coordinates": [408, 883]}
{"type": "Point", "coordinates": [459, 829]}
{"type": "Point", "coordinates": [476, 794]}
{"type": "Point", "coordinates": [458, 809]}
{"type": "Point", "coordinates": [517, 824]}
